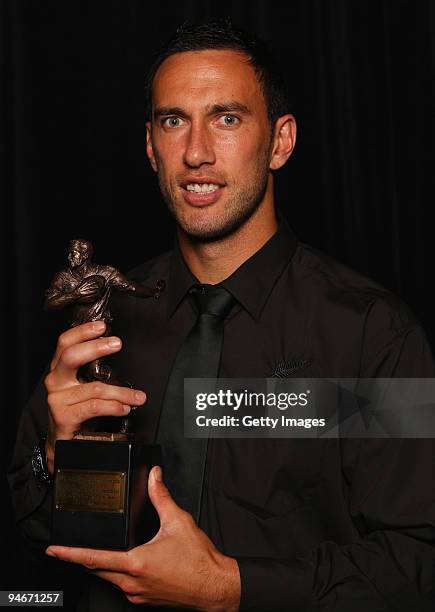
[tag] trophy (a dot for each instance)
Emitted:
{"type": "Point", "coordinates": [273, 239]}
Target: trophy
{"type": "Point", "coordinates": [100, 477]}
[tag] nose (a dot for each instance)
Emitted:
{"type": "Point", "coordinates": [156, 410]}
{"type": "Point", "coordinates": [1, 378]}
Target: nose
{"type": "Point", "coordinates": [199, 147]}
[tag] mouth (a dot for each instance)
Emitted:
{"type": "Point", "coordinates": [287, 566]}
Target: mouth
{"type": "Point", "coordinates": [201, 193]}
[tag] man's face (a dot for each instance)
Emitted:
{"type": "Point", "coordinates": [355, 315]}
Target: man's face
{"type": "Point", "coordinates": [76, 256]}
{"type": "Point", "coordinates": [210, 140]}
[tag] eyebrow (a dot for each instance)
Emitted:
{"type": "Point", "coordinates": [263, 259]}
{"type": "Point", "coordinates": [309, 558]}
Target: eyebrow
{"type": "Point", "coordinates": [211, 109]}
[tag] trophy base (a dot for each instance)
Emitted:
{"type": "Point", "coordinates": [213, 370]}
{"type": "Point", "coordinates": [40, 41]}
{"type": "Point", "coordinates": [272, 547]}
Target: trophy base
{"type": "Point", "coordinates": [101, 492]}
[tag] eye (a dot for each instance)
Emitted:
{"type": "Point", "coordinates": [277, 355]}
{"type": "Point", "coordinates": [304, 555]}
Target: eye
{"type": "Point", "coordinates": [229, 120]}
{"type": "Point", "coordinates": [172, 122]}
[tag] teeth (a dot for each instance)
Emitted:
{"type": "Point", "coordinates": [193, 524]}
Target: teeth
{"type": "Point", "coordinates": [202, 187]}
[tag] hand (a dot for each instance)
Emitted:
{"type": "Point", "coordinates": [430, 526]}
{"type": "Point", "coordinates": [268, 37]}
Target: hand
{"type": "Point", "coordinates": [90, 289]}
{"type": "Point", "coordinates": [179, 567]}
{"type": "Point", "coordinates": [71, 403]}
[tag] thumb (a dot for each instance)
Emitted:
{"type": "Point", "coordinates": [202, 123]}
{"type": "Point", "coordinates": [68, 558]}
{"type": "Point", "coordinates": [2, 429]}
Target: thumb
{"type": "Point", "coordinates": [160, 496]}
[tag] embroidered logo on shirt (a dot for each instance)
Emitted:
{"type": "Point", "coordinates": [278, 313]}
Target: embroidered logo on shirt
{"type": "Point", "coordinates": [287, 368]}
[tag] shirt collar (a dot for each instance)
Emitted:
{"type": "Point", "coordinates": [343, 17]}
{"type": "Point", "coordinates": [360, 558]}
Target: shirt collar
{"type": "Point", "coordinates": [251, 284]}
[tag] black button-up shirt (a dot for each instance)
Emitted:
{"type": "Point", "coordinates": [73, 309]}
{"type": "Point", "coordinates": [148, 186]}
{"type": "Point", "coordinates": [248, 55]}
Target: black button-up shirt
{"type": "Point", "coordinates": [326, 524]}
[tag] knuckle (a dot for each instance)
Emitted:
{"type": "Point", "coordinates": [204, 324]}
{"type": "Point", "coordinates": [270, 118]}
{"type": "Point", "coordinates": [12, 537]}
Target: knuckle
{"type": "Point", "coordinates": [129, 587]}
{"type": "Point", "coordinates": [48, 381]}
{"type": "Point", "coordinates": [80, 391]}
{"type": "Point", "coordinates": [67, 357]}
{"type": "Point", "coordinates": [90, 562]}
{"type": "Point", "coordinates": [62, 341]}
{"type": "Point", "coordinates": [97, 389]}
{"type": "Point", "coordinates": [82, 413]}
{"type": "Point", "coordinates": [93, 407]}
{"type": "Point", "coordinates": [187, 519]}
{"type": "Point", "coordinates": [135, 567]}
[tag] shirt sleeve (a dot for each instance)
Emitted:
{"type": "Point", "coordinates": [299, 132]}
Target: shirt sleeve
{"type": "Point", "coordinates": [31, 499]}
{"type": "Point", "coordinates": [391, 500]}
{"type": "Point", "coordinates": [118, 280]}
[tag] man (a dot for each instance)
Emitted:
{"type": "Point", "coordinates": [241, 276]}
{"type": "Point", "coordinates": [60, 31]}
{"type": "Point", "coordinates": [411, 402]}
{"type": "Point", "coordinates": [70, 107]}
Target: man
{"type": "Point", "coordinates": [284, 524]}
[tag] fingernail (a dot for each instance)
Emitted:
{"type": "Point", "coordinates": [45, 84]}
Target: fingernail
{"type": "Point", "coordinates": [114, 342]}
{"type": "Point", "coordinates": [50, 553]}
{"type": "Point", "coordinates": [139, 396]}
{"type": "Point", "coordinates": [158, 473]}
{"type": "Point", "coordinates": [99, 326]}
{"type": "Point", "coordinates": [126, 409]}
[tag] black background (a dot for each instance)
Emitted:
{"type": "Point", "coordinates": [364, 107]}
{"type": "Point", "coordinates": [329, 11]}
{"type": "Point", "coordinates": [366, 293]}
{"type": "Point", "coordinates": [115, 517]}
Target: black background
{"type": "Point", "coordinates": [360, 184]}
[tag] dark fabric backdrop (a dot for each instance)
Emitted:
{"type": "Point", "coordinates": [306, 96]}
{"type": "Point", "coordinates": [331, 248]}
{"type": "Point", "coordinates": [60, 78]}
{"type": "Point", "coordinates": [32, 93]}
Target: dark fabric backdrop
{"type": "Point", "coordinates": [360, 184]}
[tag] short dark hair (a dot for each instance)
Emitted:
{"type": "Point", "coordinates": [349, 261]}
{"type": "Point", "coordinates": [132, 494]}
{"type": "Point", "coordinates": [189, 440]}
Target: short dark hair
{"type": "Point", "coordinates": [223, 35]}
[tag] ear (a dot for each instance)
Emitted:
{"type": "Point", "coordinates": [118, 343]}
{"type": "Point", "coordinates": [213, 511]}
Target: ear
{"type": "Point", "coordinates": [150, 150]}
{"type": "Point", "coordinates": [284, 141]}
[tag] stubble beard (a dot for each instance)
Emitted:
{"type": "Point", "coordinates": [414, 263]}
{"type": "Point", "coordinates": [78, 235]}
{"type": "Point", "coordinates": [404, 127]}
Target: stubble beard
{"type": "Point", "coordinates": [238, 209]}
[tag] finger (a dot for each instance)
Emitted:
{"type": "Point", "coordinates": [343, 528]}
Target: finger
{"type": "Point", "coordinates": [69, 419]}
{"type": "Point", "coordinates": [74, 416]}
{"type": "Point", "coordinates": [97, 390]}
{"type": "Point", "coordinates": [70, 408]}
{"type": "Point", "coordinates": [91, 558]}
{"type": "Point", "coordinates": [77, 355]}
{"type": "Point", "coordinates": [75, 335]}
{"type": "Point", "coordinates": [160, 497]}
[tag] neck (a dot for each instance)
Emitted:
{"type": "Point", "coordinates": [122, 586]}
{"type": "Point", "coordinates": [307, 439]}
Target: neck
{"type": "Point", "coordinates": [82, 268]}
{"type": "Point", "coordinates": [212, 262]}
